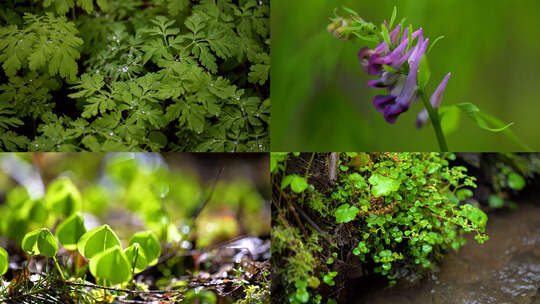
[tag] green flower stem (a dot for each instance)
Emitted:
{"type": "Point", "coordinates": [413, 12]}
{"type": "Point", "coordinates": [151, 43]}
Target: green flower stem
{"type": "Point", "coordinates": [76, 262]}
{"type": "Point", "coordinates": [133, 267]}
{"type": "Point", "coordinates": [58, 268]}
{"type": "Point", "coordinates": [435, 121]}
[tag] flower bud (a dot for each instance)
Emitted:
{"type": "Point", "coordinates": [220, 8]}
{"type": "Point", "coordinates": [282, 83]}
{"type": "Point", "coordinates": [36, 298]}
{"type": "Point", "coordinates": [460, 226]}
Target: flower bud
{"type": "Point", "coordinates": [338, 28]}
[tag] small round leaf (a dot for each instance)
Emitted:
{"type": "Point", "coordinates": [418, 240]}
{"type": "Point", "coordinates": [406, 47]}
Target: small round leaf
{"type": "Point", "coordinates": [346, 213]}
{"type": "Point", "coordinates": [111, 265]}
{"type": "Point", "coordinates": [382, 185]}
{"type": "Point", "coordinates": [70, 231]}
{"type": "Point", "coordinates": [4, 261]}
{"type": "Point", "coordinates": [97, 240]}
{"type": "Point", "coordinates": [516, 181]}
{"type": "Point", "coordinates": [149, 244]}
{"type": "Point", "coordinates": [40, 241]}
{"type": "Point", "coordinates": [298, 183]}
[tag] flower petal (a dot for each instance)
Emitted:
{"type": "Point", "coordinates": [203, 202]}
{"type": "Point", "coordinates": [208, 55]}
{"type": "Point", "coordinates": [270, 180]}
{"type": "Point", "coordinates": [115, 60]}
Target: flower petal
{"type": "Point", "coordinates": [438, 94]}
{"type": "Point", "coordinates": [381, 102]}
{"type": "Point", "coordinates": [394, 35]}
{"type": "Point", "coordinates": [422, 119]}
{"type": "Point", "coordinates": [409, 89]}
{"type": "Point", "coordinates": [392, 112]}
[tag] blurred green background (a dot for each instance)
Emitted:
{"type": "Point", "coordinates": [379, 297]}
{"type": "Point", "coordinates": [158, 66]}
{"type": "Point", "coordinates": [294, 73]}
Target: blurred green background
{"type": "Point", "coordinates": [319, 93]}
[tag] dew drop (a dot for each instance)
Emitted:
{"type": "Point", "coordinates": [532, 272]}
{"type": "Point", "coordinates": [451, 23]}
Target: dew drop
{"type": "Point", "coordinates": [111, 134]}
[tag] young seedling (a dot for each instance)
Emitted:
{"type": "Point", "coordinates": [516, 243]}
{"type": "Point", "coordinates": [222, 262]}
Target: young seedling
{"type": "Point", "coordinates": [111, 265]}
{"type": "Point", "coordinates": [42, 242]}
{"type": "Point", "coordinates": [68, 233]}
{"type": "Point", "coordinates": [149, 245]}
{"type": "Point", "coordinates": [63, 197]}
{"type": "Point", "coordinates": [136, 257]}
{"type": "Point", "coordinates": [97, 240]}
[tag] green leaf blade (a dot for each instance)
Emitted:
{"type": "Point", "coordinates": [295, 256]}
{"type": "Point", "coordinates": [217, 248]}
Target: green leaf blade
{"type": "Point", "coordinates": [97, 240]}
{"type": "Point", "coordinates": [70, 231]}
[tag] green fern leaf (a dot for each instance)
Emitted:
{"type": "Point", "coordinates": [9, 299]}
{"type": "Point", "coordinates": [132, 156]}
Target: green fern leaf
{"type": "Point", "coordinates": [177, 6]}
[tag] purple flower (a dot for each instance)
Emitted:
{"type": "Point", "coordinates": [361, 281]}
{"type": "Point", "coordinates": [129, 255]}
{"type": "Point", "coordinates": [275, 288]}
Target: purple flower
{"type": "Point", "coordinates": [435, 101]}
{"type": "Point", "coordinates": [438, 94]}
{"type": "Point", "coordinates": [400, 82]}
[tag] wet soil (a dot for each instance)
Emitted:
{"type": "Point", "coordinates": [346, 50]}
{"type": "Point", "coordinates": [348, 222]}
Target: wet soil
{"type": "Point", "coordinates": [505, 269]}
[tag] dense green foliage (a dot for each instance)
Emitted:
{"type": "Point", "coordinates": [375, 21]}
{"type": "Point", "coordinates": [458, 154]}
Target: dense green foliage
{"type": "Point", "coordinates": [410, 214]}
{"type": "Point", "coordinates": [148, 237]}
{"type": "Point", "coordinates": [399, 213]}
{"type": "Point", "coordinates": [135, 75]}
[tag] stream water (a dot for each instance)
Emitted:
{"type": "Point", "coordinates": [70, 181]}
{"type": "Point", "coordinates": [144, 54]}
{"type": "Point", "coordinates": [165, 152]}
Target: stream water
{"type": "Point", "coordinates": [505, 269]}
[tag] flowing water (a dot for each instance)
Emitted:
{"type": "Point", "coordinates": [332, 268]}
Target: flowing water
{"type": "Point", "coordinates": [505, 269]}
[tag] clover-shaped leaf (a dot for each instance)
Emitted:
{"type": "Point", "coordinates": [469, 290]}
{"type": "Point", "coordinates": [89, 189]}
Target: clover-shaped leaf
{"type": "Point", "coordinates": [345, 213]}
{"type": "Point", "coordinates": [40, 241]}
{"type": "Point", "coordinates": [298, 183]}
{"type": "Point", "coordinates": [111, 265]}
{"type": "Point", "coordinates": [149, 244]}
{"type": "Point", "coordinates": [97, 240]}
{"type": "Point", "coordinates": [136, 257]}
{"type": "Point", "coordinates": [70, 231]}
{"type": "Point", "coordinates": [383, 185]}
{"type": "Point", "coordinates": [63, 197]}
{"type": "Point", "coordinates": [4, 261]}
